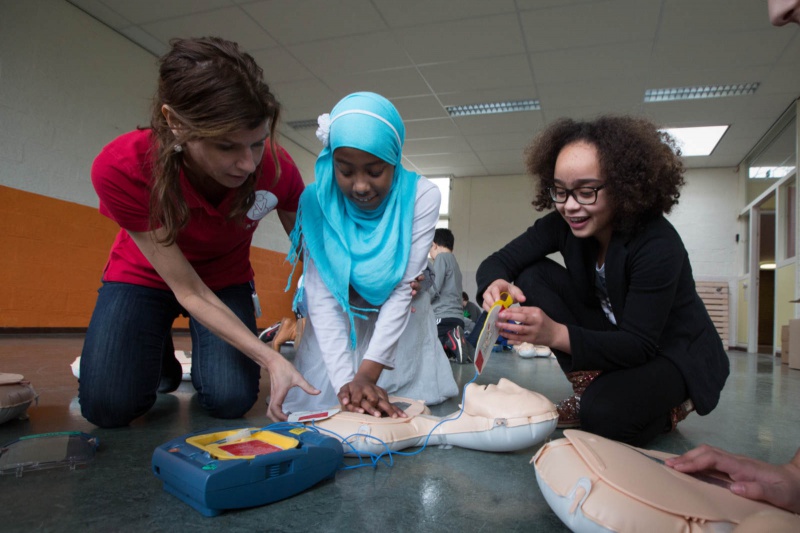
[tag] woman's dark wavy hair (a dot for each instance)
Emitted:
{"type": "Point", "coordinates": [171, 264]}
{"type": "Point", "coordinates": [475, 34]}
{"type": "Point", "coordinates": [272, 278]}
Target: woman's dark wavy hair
{"type": "Point", "coordinates": [640, 165]}
{"type": "Point", "coordinates": [213, 89]}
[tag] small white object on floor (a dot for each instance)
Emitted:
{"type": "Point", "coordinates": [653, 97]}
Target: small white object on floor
{"type": "Point", "coordinates": [185, 359]}
{"type": "Point", "coordinates": [542, 351]}
{"type": "Point", "coordinates": [526, 350]}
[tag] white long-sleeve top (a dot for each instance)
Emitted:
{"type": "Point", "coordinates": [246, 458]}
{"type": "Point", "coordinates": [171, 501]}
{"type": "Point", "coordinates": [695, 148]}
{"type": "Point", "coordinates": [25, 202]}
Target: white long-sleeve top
{"type": "Point", "coordinates": [330, 322]}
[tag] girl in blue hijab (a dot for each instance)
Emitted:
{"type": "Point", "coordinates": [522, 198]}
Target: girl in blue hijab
{"type": "Point", "coordinates": [364, 229]}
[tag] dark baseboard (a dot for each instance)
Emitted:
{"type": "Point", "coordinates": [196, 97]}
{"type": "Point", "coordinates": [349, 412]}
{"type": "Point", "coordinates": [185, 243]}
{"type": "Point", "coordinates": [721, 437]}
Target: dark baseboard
{"type": "Point", "coordinates": [63, 331]}
{"type": "Point", "coordinates": [42, 331]}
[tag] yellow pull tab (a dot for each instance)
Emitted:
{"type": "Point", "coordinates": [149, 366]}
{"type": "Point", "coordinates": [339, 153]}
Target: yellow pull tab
{"type": "Point", "coordinates": [505, 300]}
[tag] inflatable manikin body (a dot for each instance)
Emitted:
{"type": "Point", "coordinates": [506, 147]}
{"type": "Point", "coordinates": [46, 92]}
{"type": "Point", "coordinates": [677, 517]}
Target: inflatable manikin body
{"type": "Point", "coordinates": [16, 395]}
{"type": "Point", "coordinates": [496, 418]}
{"type": "Point", "coordinates": [595, 484]}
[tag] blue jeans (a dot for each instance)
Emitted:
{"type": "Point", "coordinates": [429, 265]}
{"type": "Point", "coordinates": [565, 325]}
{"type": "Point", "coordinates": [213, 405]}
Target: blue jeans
{"type": "Point", "coordinates": [130, 333]}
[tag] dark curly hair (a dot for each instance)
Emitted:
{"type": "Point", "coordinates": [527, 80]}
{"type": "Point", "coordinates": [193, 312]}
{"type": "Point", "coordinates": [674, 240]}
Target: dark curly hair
{"type": "Point", "coordinates": [641, 166]}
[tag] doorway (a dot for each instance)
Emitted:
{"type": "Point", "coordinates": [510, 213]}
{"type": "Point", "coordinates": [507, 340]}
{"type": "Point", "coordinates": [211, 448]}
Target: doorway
{"type": "Point", "coordinates": [766, 279]}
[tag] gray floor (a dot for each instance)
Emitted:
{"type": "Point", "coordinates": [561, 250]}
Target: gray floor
{"type": "Point", "coordinates": [439, 490]}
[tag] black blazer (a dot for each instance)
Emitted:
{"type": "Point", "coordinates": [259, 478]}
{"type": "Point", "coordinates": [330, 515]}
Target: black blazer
{"type": "Point", "coordinates": [652, 292]}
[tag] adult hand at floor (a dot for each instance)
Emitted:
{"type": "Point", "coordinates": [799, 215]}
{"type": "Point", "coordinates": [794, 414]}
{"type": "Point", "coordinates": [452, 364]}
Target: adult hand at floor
{"type": "Point", "coordinates": [778, 485]}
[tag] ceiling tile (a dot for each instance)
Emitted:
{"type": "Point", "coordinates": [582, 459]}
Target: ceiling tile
{"type": "Point", "coordinates": [781, 79]}
{"type": "Point", "coordinates": [598, 92]}
{"type": "Point", "coordinates": [453, 169]}
{"type": "Point", "coordinates": [301, 21]}
{"type": "Point", "coordinates": [476, 74]}
{"type": "Point", "coordinates": [590, 111]}
{"type": "Point", "coordinates": [440, 145]}
{"type": "Point", "coordinates": [426, 129]}
{"type": "Point", "coordinates": [590, 24]}
{"type": "Point", "coordinates": [102, 12]}
{"type": "Point", "coordinates": [311, 96]}
{"type": "Point", "coordinates": [446, 160]}
{"type": "Point", "coordinates": [465, 39]}
{"type": "Point", "coordinates": [711, 16]}
{"type": "Point", "coordinates": [355, 54]}
{"type": "Point", "coordinates": [238, 28]}
{"type": "Point", "coordinates": [499, 141]}
{"type": "Point", "coordinates": [280, 67]}
{"type": "Point", "coordinates": [591, 62]}
{"type": "Point", "coordinates": [739, 49]}
{"type": "Point", "coordinates": [391, 83]}
{"type": "Point", "coordinates": [419, 107]}
{"type": "Point", "coordinates": [791, 52]}
{"type": "Point", "coordinates": [497, 158]}
{"type": "Point", "coordinates": [143, 11]}
{"type": "Point", "coordinates": [422, 12]}
{"type": "Point", "coordinates": [153, 45]}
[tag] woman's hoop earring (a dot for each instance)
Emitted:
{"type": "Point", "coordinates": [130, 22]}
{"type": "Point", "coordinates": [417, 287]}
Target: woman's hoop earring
{"type": "Point", "coordinates": [178, 148]}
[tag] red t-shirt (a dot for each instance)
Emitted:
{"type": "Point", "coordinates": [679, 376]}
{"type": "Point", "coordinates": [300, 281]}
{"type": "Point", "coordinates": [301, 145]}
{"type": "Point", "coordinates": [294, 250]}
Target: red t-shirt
{"type": "Point", "coordinates": [217, 247]}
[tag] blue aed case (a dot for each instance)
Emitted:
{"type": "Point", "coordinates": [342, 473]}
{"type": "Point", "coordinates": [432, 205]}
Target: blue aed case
{"type": "Point", "coordinates": [244, 467]}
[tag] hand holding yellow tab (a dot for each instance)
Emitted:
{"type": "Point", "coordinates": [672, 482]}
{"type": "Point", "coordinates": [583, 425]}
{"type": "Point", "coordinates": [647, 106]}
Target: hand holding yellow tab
{"type": "Point", "coordinates": [489, 333]}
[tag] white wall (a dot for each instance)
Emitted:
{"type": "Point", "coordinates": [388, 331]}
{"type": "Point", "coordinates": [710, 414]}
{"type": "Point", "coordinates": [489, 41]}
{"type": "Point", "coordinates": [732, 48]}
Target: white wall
{"type": "Point", "coordinates": [485, 214]}
{"type": "Point", "coordinates": [707, 220]}
{"type": "Point", "coordinates": [68, 86]}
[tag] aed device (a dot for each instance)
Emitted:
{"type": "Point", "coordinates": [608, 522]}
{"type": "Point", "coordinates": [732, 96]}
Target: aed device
{"type": "Point", "coordinates": [236, 468]}
{"type": "Point", "coordinates": [489, 333]}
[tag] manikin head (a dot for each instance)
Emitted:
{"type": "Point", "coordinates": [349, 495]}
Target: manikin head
{"type": "Point", "coordinates": [504, 400]}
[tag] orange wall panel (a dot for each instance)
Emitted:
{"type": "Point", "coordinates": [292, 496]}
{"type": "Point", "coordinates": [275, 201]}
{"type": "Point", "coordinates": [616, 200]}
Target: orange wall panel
{"type": "Point", "coordinates": [271, 274]}
{"type": "Point", "coordinates": [53, 256]}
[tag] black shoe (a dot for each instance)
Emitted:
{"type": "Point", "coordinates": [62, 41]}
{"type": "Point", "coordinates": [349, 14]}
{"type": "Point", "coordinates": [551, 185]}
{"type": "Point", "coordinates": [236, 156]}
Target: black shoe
{"type": "Point", "coordinates": [458, 349]}
{"type": "Point", "coordinates": [171, 374]}
{"type": "Point", "coordinates": [268, 334]}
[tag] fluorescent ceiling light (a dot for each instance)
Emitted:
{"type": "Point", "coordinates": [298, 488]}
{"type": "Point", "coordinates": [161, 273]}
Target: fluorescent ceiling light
{"type": "Point", "coordinates": [767, 266]}
{"type": "Point", "coordinates": [694, 93]}
{"type": "Point", "coordinates": [770, 172]}
{"type": "Point", "coordinates": [493, 107]}
{"type": "Point", "coordinates": [697, 141]}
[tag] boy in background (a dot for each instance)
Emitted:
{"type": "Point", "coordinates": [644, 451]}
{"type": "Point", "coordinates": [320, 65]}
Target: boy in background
{"type": "Point", "coordinates": [446, 293]}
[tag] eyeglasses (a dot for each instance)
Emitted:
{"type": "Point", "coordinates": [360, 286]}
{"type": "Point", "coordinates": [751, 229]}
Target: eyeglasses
{"type": "Point", "coordinates": [582, 195]}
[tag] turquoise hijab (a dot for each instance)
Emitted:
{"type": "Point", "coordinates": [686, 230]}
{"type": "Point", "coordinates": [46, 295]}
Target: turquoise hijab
{"type": "Point", "coordinates": [349, 246]}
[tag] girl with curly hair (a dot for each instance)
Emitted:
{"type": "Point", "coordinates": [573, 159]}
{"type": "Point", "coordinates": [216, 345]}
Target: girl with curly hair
{"type": "Point", "coordinates": [622, 316]}
{"type": "Point", "coordinates": [188, 193]}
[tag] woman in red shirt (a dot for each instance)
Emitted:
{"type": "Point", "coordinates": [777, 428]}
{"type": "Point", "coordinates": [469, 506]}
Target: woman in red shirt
{"type": "Point", "coordinates": [188, 194]}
